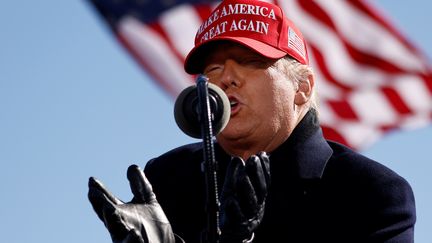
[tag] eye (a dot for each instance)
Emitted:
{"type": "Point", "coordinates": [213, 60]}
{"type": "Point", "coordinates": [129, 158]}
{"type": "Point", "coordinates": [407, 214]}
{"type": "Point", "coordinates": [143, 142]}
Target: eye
{"type": "Point", "coordinates": [211, 68]}
{"type": "Point", "coordinates": [255, 61]}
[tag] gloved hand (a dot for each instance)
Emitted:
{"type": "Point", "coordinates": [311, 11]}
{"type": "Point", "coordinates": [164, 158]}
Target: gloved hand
{"type": "Point", "coordinates": [140, 221]}
{"type": "Point", "coordinates": [243, 198]}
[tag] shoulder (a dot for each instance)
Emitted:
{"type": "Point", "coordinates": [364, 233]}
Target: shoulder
{"type": "Point", "coordinates": [345, 162]}
{"type": "Point", "coordinates": [382, 195]}
{"type": "Point", "coordinates": [360, 171]}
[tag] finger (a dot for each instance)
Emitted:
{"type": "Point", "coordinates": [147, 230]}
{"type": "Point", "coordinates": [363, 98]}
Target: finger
{"type": "Point", "coordinates": [108, 209]}
{"type": "Point", "coordinates": [256, 176]}
{"type": "Point", "coordinates": [96, 184]}
{"type": "Point", "coordinates": [238, 187]}
{"type": "Point", "coordinates": [231, 214]}
{"type": "Point", "coordinates": [246, 195]}
{"type": "Point", "coordinates": [99, 199]}
{"type": "Point", "coordinates": [141, 187]}
{"type": "Point", "coordinates": [107, 213]}
{"type": "Point", "coordinates": [96, 199]}
{"type": "Point", "coordinates": [231, 176]}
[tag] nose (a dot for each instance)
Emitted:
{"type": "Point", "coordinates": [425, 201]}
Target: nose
{"type": "Point", "coordinates": [230, 77]}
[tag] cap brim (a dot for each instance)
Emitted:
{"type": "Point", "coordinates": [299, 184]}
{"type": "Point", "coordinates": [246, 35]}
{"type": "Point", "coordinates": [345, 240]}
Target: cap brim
{"type": "Point", "coordinates": [194, 60]}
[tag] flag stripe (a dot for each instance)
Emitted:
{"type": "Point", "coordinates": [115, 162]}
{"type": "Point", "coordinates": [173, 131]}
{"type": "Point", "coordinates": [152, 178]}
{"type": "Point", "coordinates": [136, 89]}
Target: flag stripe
{"type": "Point", "coordinates": [322, 66]}
{"type": "Point", "coordinates": [153, 52]}
{"type": "Point", "coordinates": [343, 109]}
{"type": "Point", "coordinates": [366, 7]}
{"type": "Point", "coordinates": [172, 21]}
{"type": "Point", "coordinates": [396, 100]}
{"type": "Point", "coordinates": [362, 31]}
{"type": "Point", "coordinates": [333, 134]}
{"type": "Point", "coordinates": [335, 56]}
{"type": "Point", "coordinates": [413, 91]}
{"type": "Point", "coordinates": [368, 104]}
{"type": "Point", "coordinates": [163, 36]}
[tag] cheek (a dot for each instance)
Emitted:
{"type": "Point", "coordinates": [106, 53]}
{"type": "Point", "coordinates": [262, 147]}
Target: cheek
{"type": "Point", "coordinates": [267, 105]}
{"type": "Point", "coordinates": [272, 94]}
{"type": "Point", "coordinates": [280, 101]}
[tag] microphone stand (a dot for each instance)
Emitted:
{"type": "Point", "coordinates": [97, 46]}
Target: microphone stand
{"type": "Point", "coordinates": [209, 165]}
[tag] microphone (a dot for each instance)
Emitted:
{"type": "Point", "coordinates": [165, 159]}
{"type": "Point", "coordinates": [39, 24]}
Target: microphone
{"type": "Point", "coordinates": [187, 110]}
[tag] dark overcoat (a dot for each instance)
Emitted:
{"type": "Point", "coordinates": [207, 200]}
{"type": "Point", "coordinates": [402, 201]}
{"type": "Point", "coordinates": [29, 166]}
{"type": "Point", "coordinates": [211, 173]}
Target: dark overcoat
{"type": "Point", "coordinates": [320, 191]}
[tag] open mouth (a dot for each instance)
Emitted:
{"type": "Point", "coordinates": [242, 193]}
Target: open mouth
{"type": "Point", "coordinates": [235, 104]}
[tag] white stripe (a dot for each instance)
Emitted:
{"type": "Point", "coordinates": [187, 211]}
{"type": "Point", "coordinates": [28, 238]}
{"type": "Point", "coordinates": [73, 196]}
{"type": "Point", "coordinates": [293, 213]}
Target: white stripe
{"type": "Point", "coordinates": [339, 63]}
{"type": "Point", "coordinates": [367, 35]}
{"type": "Point", "coordinates": [327, 115]}
{"type": "Point", "coordinates": [416, 121]}
{"type": "Point", "coordinates": [323, 88]}
{"type": "Point", "coordinates": [358, 135]}
{"type": "Point", "coordinates": [414, 93]}
{"type": "Point", "coordinates": [372, 108]}
{"type": "Point", "coordinates": [180, 25]}
{"type": "Point", "coordinates": [153, 50]}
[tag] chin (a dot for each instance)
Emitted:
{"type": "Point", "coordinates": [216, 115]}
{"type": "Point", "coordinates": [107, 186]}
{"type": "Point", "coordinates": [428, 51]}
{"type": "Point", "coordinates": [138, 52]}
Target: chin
{"type": "Point", "coordinates": [230, 134]}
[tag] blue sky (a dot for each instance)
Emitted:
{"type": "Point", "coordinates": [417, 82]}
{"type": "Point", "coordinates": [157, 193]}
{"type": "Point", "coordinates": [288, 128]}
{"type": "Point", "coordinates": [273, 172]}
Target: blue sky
{"type": "Point", "coordinates": [74, 104]}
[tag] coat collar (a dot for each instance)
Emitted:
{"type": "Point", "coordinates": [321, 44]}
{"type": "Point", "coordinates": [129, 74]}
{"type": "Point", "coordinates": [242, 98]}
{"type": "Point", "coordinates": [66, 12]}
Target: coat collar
{"type": "Point", "coordinates": [306, 148]}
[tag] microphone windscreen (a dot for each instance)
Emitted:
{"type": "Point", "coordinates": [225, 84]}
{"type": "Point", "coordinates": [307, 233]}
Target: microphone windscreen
{"type": "Point", "coordinates": [187, 112]}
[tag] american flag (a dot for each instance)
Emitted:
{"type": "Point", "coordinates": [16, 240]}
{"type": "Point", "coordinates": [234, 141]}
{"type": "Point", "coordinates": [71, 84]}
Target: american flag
{"type": "Point", "coordinates": [370, 78]}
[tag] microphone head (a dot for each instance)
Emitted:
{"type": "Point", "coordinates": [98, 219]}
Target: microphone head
{"type": "Point", "coordinates": [186, 110]}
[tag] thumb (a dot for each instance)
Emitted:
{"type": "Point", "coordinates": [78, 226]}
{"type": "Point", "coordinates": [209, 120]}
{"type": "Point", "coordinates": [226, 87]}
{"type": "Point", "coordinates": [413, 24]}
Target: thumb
{"type": "Point", "coordinates": [100, 198]}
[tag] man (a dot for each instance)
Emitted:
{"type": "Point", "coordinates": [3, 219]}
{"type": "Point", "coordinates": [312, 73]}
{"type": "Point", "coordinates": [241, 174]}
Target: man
{"type": "Point", "coordinates": [294, 186]}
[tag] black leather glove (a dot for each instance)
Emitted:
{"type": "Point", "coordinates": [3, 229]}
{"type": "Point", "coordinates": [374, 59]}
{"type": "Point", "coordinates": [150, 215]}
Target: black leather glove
{"type": "Point", "coordinates": [243, 197]}
{"type": "Point", "coordinates": [140, 221]}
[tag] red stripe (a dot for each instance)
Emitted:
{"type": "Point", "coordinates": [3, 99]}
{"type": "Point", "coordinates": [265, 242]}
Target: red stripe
{"type": "Point", "coordinates": [332, 134]}
{"type": "Point", "coordinates": [322, 65]}
{"type": "Point", "coordinates": [359, 56]}
{"type": "Point", "coordinates": [166, 84]}
{"type": "Point", "coordinates": [370, 60]}
{"type": "Point", "coordinates": [160, 30]}
{"type": "Point", "coordinates": [395, 99]}
{"type": "Point", "coordinates": [373, 13]}
{"type": "Point", "coordinates": [428, 81]}
{"type": "Point", "coordinates": [343, 109]}
{"type": "Point", "coordinates": [389, 127]}
{"type": "Point", "coordinates": [317, 12]}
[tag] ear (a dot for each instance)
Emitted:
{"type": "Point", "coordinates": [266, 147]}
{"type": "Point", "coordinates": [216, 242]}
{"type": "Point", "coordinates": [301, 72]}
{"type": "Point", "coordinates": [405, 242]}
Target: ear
{"type": "Point", "coordinates": [304, 91]}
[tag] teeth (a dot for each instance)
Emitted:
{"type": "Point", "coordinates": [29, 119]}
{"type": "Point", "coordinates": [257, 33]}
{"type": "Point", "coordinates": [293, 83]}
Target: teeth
{"type": "Point", "coordinates": [233, 103]}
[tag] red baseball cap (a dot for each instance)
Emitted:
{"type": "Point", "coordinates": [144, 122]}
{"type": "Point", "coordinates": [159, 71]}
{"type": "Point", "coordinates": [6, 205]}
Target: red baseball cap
{"type": "Point", "coordinates": [259, 25]}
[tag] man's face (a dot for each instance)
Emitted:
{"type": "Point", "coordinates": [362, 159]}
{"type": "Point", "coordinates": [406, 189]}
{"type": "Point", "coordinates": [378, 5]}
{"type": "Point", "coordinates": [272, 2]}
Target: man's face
{"type": "Point", "coordinates": [261, 97]}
